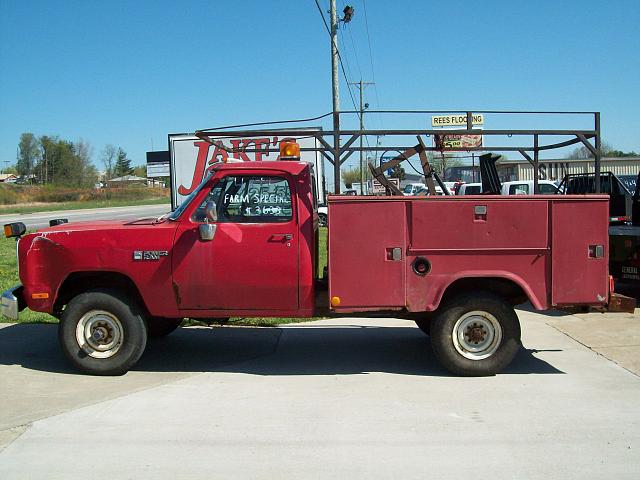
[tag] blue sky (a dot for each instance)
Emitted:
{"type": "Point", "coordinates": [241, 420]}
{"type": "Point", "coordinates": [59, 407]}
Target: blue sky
{"type": "Point", "coordinates": [129, 73]}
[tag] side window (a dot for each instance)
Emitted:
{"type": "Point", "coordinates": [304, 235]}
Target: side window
{"type": "Point", "coordinates": [519, 189]}
{"type": "Point", "coordinates": [249, 199]}
{"type": "Point", "coordinates": [545, 188]}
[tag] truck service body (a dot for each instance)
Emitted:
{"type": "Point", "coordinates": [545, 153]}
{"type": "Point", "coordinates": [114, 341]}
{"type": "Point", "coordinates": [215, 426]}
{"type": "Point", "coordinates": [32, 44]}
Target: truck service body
{"type": "Point", "coordinates": [245, 243]}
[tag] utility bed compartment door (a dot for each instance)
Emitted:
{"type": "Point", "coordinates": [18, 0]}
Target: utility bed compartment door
{"type": "Point", "coordinates": [479, 224]}
{"type": "Point", "coordinates": [579, 275]}
{"type": "Point", "coordinates": [364, 271]}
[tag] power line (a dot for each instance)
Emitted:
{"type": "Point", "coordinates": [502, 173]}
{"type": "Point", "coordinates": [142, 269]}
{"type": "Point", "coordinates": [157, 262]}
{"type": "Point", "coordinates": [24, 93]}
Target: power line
{"type": "Point", "coordinates": [344, 73]}
{"type": "Point", "coordinates": [346, 58]}
{"type": "Point", "coordinates": [373, 75]}
{"type": "Point", "coordinates": [355, 52]}
{"type": "Point", "coordinates": [324, 20]}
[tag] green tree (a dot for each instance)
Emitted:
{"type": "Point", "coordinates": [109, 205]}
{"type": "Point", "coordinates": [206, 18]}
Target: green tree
{"type": "Point", "coordinates": [88, 174]}
{"type": "Point", "coordinates": [352, 176]}
{"type": "Point", "coordinates": [108, 158]}
{"type": "Point", "coordinates": [123, 164]}
{"type": "Point", "coordinates": [64, 163]}
{"type": "Point", "coordinates": [397, 172]}
{"type": "Point", "coordinates": [443, 162]}
{"type": "Point", "coordinates": [584, 153]}
{"type": "Point", "coordinates": [140, 171]}
{"type": "Point", "coordinates": [28, 153]}
{"type": "Point", "coordinates": [620, 153]}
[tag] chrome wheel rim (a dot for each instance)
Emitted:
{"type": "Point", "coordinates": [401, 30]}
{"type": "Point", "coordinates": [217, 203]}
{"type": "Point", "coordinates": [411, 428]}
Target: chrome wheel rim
{"type": "Point", "coordinates": [477, 335]}
{"type": "Point", "coordinates": [99, 334]}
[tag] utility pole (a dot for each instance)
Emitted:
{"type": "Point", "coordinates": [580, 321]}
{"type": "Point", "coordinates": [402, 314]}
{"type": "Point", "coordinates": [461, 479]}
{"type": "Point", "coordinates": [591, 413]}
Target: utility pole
{"type": "Point", "coordinates": [46, 167]}
{"type": "Point", "coordinates": [363, 106]}
{"type": "Point", "coordinates": [336, 97]}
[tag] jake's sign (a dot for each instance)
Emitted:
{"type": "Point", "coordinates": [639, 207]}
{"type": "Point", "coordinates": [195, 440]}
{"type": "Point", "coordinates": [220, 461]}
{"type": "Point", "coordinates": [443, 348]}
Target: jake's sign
{"type": "Point", "coordinates": [192, 158]}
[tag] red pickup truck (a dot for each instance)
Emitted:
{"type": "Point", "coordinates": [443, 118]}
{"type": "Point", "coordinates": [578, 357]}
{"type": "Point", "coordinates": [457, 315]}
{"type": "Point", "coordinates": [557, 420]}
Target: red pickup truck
{"type": "Point", "coordinates": [245, 243]}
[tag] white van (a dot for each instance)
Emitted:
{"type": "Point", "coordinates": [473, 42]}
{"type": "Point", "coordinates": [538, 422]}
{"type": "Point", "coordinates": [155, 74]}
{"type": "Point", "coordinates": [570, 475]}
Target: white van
{"type": "Point", "coordinates": [525, 187]}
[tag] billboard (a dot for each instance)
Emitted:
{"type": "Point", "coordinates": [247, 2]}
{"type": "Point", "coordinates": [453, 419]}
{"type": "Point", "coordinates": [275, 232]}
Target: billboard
{"type": "Point", "coordinates": [456, 120]}
{"type": "Point", "coordinates": [379, 189]}
{"type": "Point", "coordinates": [455, 141]}
{"type": "Point", "coordinates": [192, 158]}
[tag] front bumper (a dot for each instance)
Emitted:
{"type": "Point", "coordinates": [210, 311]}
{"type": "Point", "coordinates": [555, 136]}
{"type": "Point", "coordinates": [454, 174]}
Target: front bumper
{"type": "Point", "coordinates": [12, 302]}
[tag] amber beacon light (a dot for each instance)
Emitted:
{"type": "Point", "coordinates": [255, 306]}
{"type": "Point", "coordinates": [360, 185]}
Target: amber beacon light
{"type": "Point", "coordinates": [289, 150]}
{"type": "Point", "coordinates": [15, 230]}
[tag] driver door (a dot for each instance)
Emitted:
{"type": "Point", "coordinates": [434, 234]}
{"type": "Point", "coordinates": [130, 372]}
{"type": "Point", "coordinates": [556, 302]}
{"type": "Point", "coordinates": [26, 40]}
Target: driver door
{"type": "Point", "coordinates": [252, 261]}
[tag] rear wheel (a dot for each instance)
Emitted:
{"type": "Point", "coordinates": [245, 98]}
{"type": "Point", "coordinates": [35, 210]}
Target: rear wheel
{"type": "Point", "coordinates": [102, 332]}
{"type": "Point", "coordinates": [322, 219]}
{"type": "Point", "coordinates": [476, 334]}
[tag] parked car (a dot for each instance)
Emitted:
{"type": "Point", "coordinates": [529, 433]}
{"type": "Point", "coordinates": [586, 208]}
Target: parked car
{"type": "Point", "coordinates": [413, 188]}
{"type": "Point", "coordinates": [425, 191]}
{"type": "Point", "coordinates": [451, 186]}
{"type": "Point", "coordinates": [525, 187]}
{"type": "Point", "coordinates": [470, 189]}
{"type": "Point", "coordinates": [629, 181]}
{"type": "Point", "coordinates": [620, 198]}
{"type": "Point", "coordinates": [323, 215]}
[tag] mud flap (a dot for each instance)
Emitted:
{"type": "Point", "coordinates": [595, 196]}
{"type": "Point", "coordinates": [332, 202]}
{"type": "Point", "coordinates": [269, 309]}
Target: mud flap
{"type": "Point", "coordinates": [621, 303]}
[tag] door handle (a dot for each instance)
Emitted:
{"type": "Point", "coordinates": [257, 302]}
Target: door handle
{"type": "Point", "coordinates": [281, 237]}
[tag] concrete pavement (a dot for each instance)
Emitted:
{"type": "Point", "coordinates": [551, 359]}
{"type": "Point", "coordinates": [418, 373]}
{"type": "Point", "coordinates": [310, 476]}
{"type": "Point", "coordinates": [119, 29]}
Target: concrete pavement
{"type": "Point", "coordinates": [615, 336]}
{"type": "Point", "coordinates": [342, 398]}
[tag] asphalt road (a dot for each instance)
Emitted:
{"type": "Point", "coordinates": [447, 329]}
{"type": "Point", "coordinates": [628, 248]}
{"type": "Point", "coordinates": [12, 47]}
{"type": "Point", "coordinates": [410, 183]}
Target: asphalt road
{"type": "Point", "coordinates": [41, 219]}
{"type": "Point", "coordinates": [347, 398]}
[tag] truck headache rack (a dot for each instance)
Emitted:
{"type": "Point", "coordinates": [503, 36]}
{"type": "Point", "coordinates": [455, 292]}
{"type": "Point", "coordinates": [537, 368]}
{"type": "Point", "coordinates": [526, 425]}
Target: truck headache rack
{"type": "Point", "coordinates": [427, 169]}
{"type": "Point", "coordinates": [337, 145]}
{"type": "Point", "coordinates": [620, 199]}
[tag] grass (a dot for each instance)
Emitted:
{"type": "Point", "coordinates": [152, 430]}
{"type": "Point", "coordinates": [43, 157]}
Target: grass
{"type": "Point", "coordinates": [80, 205]}
{"type": "Point", "coordinates": [9, 278]}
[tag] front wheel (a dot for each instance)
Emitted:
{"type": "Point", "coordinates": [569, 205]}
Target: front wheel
{"type": "Point", "coordinates": [102, 332]}
{"type": "Point", "coordinates": [476, 334]}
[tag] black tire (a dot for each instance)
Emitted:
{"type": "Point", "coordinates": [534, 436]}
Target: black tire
{"type": "Point", "coordinates": [476, 334]}
{"type": "Point", "coordinates": [161, 326]}
{"type": "Point", "coordinates": [114, 317]}
{"type": "Point", "coordinates": [322, 220]}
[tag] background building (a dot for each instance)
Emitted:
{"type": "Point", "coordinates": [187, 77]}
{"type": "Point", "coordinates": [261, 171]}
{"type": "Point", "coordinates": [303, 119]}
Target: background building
{"type": "Point", "coordinates": [510, 170]}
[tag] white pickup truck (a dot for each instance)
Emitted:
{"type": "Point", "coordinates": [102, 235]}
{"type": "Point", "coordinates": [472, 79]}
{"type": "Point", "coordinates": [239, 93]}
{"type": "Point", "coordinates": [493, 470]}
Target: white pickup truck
{"type": "Point", "coordinates": [525, 187]}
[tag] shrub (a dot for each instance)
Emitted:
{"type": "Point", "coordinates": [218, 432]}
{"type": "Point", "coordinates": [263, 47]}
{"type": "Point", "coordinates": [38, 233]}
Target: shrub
{"type": "Point", "coordinates": [11, 195]}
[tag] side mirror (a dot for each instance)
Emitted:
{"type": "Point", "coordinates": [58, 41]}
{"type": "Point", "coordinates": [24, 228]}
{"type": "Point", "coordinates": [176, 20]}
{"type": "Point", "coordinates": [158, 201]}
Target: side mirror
{"type": "Point", "coordinates": [211, 211]}
{"type": "Point", "coordinates": [58, 221]}
{"type": "Point", "coordinates": [206, 231]}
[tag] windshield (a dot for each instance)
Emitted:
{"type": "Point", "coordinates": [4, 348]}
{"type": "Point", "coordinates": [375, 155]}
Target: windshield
{"type": "Point", "coordinates": [174, 215]}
